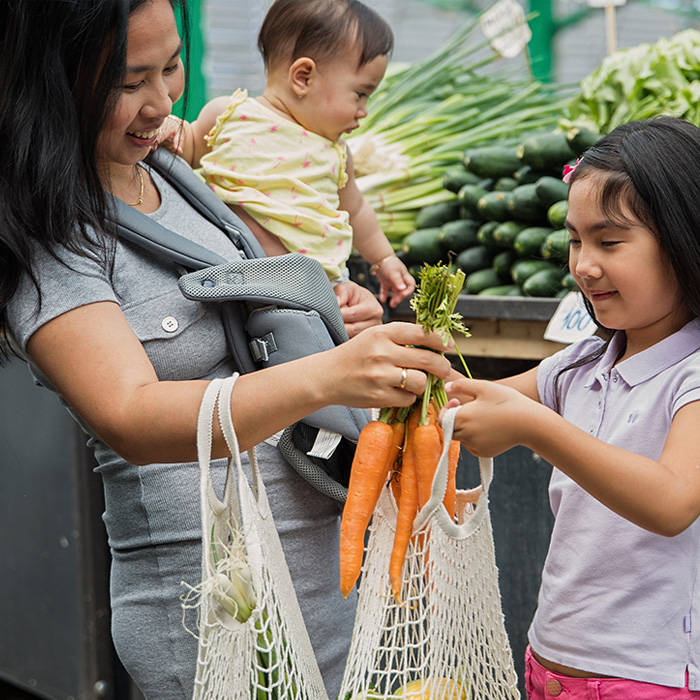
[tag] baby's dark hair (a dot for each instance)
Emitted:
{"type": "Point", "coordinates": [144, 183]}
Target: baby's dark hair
{"type": "Point", "coordinates": [320, 30]}
{"type": "Point", "coordinates": [651, 168]}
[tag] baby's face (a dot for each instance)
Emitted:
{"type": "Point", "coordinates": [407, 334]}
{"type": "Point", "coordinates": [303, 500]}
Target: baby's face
{"type": "Point", "coordinates": [336, 99]}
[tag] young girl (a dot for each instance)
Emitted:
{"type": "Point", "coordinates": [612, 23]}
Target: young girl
{"type": "Point", "coordinates": [280, 159]}
{"type": "Point", "coordinates": [619, 611]}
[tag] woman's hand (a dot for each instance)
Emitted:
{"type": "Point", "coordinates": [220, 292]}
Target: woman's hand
{"type": "Point", "coordinates": [492, 418]}
{"type": "Point", "coordinates": [367, 371]}
{"type": "Point", "coordinates": [358, 306]}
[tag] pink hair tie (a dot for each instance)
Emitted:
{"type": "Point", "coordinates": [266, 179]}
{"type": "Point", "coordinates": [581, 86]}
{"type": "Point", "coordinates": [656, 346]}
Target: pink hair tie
{"type": "Point", "coordinates": [569, 170]}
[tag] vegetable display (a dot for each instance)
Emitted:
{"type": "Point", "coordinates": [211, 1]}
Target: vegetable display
{"type": "Point", "coordinates": [424, 115]}
{"type": "Point", "coordinates": [402, 448]}
{"type": "Point", "coordinates": [642, 81]}
{"type": "Point", "coordinates": [506, 233]}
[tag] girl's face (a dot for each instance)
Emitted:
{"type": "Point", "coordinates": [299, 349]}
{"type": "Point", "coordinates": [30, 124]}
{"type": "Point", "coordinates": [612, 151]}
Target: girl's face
{"type": "Point", "coordinates": [154, 81]}
{"type": "Point", "coordinates": [622, 270]}
{"type": "Point", "coordinates": [336, 96]}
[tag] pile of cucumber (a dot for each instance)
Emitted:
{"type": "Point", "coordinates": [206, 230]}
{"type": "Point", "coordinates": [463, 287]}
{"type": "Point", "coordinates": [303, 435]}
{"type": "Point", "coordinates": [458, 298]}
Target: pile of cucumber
{"type": "Point", "coordinates": [505, 227]}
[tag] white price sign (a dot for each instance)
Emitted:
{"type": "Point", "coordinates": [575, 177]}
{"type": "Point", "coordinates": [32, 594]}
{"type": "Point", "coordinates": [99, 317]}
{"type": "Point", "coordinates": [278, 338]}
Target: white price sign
{"type": "Point", "coordinates": [504, 25]}
{"type": "Point", "coordinates": [570, 321]}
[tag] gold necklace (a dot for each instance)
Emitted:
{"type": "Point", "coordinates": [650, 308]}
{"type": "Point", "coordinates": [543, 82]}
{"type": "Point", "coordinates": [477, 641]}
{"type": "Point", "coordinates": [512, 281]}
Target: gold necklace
{"type": "Point", "coordinates": [143, 186]}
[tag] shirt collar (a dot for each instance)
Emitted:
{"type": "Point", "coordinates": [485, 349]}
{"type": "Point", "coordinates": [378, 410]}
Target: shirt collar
{"type": "Point", "coordinates": [650, 362]}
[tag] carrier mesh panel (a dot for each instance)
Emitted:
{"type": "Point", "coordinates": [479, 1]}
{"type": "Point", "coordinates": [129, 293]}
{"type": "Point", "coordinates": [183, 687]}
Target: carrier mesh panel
{"type": "Point", "coordinates": [294, 280]}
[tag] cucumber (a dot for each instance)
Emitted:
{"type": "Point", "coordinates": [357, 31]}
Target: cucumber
{"type": "Point", "coordinates": [529, 241]}
{"type": "Point", "coordinates": [544, 283]}
{"type": "Point", "coordinates": [522, 269]}
{"type": "Point", "coordinates": [455, 178]}
{"type": "Point", "coordinates": [422, 246]}
{"type": "Point", "coordinates": [502, 290]}
{"type": "Point", "coordinates": [581, 138]}
{"type": "Point", "coordinates": [550, 190]}
{"type": "Point", "coordinates": [505, 233]}
{"type": "Point", "coordinates": [568, 282]}
{"type": "Point", "coordinates": [473, 259]}
{"type": "Point", "coordinates": [556, 214]}
{"type": "Point", "coordinates": [485, 233]}
{"type": "Point", "coordinates": [459, 234]}
{"type": "Point", "coordinates": [525, 205]}
{"type": "Point", "coordinates": [545, 150]}
{"type": "Point", "coordinates": [437, 214]}
{"type": "Point", "coordinates": [491, 161]}
{"type": "Point", "coordinates": [481, 279]}
{"type": "Point", "coordinates": [527, 175]}
{"type": "Point", "coordinates": [469, 195]}
{"type": "Point", "coordinates": [502, 262]}
{"type": "Point", "coordinates": [505, 184]}
{"type": "Point", "coordinates": [494, 206]}
{"type": "Point", "coordinates": [556, 245]}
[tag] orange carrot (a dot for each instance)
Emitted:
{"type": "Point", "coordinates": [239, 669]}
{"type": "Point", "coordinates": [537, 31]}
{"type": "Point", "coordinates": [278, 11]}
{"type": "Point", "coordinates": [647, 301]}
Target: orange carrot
{"type": "Point", "coordinates": [399, 432]}
{"type": "Point", "coordinates": [367, 476]}
{"type": "Point", "coordinates": [408, 506]}
{"type": "Point", "coordinates": [427, 447]}
{"type": "Point", "coordinates": [450, 500]}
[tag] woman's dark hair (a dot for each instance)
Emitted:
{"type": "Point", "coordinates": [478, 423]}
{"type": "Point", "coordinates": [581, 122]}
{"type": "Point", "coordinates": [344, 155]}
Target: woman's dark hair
{"type": "Point", "coordinates": [651, 170]}
{"type": "Point", "coordinates": [321, 30]}
{"type": "Point", "coordinates": [61, 62]}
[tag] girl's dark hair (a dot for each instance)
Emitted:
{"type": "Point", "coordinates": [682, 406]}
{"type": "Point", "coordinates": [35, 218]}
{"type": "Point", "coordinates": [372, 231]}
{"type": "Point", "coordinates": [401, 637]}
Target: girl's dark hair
{"type": "Point", "coordinates": [651, 170]}
{"type": "Point", "coordinates": [61, 63]}
{"type": "Point", "coordinates": [321, 30]}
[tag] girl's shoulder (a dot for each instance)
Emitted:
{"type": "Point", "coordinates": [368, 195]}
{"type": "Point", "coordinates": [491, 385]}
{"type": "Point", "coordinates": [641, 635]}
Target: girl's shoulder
{"type": "Point", "coordinates": [583, 351]}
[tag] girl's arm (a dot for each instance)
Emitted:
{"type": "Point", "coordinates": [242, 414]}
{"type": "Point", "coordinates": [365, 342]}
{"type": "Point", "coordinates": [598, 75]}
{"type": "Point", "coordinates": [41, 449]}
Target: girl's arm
{"type": "Point", "coordinates": [371, 243]}
{"type": "Point", "coordinates": [661, 496]}
{"type": "Point", "coordinates": [96, 363]}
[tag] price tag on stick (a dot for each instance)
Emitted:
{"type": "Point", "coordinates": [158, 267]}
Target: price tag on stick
{"type": "Point", "coordinates": [504, 25]}
{"type": "Point", "coordinates": [570, 321]}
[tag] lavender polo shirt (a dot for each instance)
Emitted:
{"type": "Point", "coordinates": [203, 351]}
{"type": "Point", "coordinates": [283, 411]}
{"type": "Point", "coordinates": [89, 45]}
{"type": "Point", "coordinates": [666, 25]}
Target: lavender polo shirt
{"type": "Point", "coordinates": [615, 599]}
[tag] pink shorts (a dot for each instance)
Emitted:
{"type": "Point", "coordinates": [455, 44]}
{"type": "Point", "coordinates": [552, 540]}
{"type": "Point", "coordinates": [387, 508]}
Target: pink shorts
{"type": "Point", "coordinates": [542, 684]}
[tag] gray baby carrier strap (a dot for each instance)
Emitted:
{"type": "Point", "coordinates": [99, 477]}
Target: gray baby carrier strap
{"type": "Point", "coordinates": [274, 310]}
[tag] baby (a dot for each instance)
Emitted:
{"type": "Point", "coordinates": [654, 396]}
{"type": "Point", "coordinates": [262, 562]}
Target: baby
{"type": "Point", "coordinates": [280, 160]}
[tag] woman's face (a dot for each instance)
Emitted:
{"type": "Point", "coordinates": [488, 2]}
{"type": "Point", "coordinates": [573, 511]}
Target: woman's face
{"type": "Point", "coordinates": [154, 81]}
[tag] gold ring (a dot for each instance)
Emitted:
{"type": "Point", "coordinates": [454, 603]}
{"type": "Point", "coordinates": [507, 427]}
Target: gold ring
{"type": "Point", "coordinates": [404, 378]}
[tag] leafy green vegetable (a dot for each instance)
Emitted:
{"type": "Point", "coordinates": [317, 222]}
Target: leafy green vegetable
{"type": "Point", "coordinates": [434, 304]}
{"type": "Point", "coordinates": [642, 82]}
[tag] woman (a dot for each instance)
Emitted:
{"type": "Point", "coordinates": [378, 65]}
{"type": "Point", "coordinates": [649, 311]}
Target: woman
{"type": "Point", "coordinates": [84, 87]}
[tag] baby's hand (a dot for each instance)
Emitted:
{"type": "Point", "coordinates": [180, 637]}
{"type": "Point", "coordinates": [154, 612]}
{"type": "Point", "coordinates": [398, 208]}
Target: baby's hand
{"type": "Point", "coordinates": [172, 134]}
{"type": "Point", "coordinates": [393, 277]}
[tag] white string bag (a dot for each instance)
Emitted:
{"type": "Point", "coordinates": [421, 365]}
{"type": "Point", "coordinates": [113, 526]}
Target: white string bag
{"type": "Point", "coordinates": [269, 654]}
{"type": "Point", "coordinates": [447, 639]}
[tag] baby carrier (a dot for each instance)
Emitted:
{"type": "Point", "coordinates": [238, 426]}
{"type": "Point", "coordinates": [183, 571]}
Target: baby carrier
{"type": "Point", "coordinates": [274, 309]}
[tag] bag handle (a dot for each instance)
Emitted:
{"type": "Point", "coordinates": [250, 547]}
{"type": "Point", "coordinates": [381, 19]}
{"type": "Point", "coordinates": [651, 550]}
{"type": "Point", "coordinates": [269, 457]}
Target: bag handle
{"type": "Point", "coordinates": [434, 507]}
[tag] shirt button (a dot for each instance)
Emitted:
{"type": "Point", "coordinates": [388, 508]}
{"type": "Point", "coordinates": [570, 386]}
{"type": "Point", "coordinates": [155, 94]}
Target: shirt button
{"type": "Point", "coordinates": [615, 378]}
{"type": "Point", "coordinates": [553, 687]}
{"type": "Point", "coordinates": [170, 324]}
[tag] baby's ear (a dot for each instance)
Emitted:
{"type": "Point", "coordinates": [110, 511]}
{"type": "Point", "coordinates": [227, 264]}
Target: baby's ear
{"type": "Point", "coordinates": [301, 74]}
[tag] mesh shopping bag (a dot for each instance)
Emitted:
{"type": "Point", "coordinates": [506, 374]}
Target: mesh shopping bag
{"type": "Point", "coordinates": [446, 638]}
{"type": "Point", "coordinates": [252, 639]}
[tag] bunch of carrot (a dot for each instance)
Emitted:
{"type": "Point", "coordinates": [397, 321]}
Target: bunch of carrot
{"type": "Point", "coordinates": [401, 449]}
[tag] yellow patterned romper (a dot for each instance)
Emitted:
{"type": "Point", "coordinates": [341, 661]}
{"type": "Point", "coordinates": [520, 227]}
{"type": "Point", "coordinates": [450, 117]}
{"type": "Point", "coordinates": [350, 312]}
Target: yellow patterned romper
{"type": "Point", "coordinates": [287, 178]}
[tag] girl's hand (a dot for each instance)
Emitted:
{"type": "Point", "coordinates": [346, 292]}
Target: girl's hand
{"type": "Point", "coordinates": [367, 371]}
{"type": "Point", "coordinates": [358, 306]}
{"type": "Point", "coordinates": [394, 277]}
{"type": "Point", "coordinates": [492, 418]}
